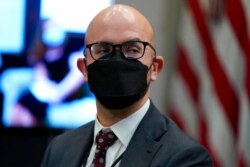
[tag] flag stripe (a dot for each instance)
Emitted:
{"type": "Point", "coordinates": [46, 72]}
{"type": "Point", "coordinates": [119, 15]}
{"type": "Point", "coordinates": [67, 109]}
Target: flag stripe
{"type": "Point", "coordinates": [192, 47]}
{"type": "Point", "coordinates": [229, 52]}
{"type": "Point", "coordinates": [184, 106]}
{"type": "Point", "coordinates": [192, 82]}
{"type": "Point", "coordinates": [241, 161]}
{"type": "Point", "coordinates": [177, 118]}
{"type": "Point", "coordinates": [188, 74]}
{"type": "Point", "coordinates": [211, 84]}
{"type": "Point", "coordinates": [221, 83]}
{"type": "Point", "coordinates": [238, 21]}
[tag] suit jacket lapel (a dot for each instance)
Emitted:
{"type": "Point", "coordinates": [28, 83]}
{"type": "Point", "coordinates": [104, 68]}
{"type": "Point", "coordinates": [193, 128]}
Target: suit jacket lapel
{"type": "Point", "coordinates": [79, 147]}
{"type": "Point", "coordinates": [143, 145]}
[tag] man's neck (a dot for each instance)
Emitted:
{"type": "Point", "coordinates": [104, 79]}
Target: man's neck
{"type": "Point", "coordinates": [108, 117]}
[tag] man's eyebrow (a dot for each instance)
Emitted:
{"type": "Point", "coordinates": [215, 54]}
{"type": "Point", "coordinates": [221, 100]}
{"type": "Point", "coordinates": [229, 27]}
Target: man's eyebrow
{"type": "Point", "coordinates": [108, 42]}
{"type": "Point", "coordinates": [131, 40]}
{"type": "Point", "coordinates": [134, 39]}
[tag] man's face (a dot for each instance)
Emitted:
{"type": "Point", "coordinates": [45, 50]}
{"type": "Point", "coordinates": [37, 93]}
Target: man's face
{"type": "Point", "coordinates": [119, 28]}
{"type": "Point", "coordinates": [118, 25]}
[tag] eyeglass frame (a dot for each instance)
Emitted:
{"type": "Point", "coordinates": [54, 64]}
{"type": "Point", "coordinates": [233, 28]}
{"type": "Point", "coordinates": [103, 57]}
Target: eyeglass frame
{"type": "Point", "coordinates": [114, 46]}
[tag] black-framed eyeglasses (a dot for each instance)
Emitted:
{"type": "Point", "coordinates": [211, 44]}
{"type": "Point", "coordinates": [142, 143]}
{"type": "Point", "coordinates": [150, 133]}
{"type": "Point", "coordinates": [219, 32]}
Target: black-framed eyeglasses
{"type": "Point", "coordinates": [130, 49]}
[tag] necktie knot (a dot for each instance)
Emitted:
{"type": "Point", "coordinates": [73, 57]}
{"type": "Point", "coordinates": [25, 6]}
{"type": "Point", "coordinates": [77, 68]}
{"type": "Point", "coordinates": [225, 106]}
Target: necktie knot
{"type": "Point", "coordinates": [104, 139]}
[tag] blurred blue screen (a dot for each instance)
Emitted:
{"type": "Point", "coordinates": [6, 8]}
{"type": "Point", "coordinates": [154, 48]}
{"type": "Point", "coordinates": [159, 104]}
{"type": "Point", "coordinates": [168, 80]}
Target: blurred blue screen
{"type": "Point", "coordinates": [12, 25]}
{"type": "Point", "coordinates": [73, 15]}
{"type": "Point", "coordinates": [37, 87]}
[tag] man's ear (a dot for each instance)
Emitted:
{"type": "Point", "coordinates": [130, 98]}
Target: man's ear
{"type": "Point", "coordinates": [157, 67]}
{"type": "Point", "coordinates": [82, 67]}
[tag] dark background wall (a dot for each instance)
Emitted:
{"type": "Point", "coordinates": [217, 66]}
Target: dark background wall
{"type": "Point", "coordinates": [24, 147]}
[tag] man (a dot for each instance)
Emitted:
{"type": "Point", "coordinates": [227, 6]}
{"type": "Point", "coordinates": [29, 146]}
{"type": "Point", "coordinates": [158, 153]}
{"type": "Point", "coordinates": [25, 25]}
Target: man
{"type": "Point", "coordinates": [120, 63]}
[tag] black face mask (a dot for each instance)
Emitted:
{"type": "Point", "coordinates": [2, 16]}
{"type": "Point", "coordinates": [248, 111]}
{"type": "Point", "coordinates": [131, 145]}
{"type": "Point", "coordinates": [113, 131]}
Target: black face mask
{"type": "Point", "coordinates": [118, 82]}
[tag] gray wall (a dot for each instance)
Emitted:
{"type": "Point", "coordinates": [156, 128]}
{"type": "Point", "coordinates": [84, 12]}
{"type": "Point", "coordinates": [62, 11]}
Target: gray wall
{"type": "Point", "coordinates": [164, 16]}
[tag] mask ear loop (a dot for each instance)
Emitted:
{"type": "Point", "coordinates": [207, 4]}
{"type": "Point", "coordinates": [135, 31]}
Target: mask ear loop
{"type": "Point", "coordinates": [154, 60]}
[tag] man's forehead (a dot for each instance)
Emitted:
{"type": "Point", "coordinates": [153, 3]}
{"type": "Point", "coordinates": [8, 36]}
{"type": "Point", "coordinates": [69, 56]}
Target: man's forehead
{"type": "Point", "coordinates": [116, 15]}
{"type": "Point", "coordinates": [120, 18]}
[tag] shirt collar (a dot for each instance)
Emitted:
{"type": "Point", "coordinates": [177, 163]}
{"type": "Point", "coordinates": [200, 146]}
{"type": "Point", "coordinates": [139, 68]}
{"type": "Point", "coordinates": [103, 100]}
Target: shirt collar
{"type": "Point", "coordinates": [125, 128]}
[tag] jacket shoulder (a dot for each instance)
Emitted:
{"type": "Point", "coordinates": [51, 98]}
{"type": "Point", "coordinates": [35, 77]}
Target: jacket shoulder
{"type": "Point", "coordinates": [69, 146]}
{"type": "Point", "coordinates": [72, 133]}
{"type": "Point", "coordinates": [184, 150]}
{"type": "Point", "coordinates": [176, 147]}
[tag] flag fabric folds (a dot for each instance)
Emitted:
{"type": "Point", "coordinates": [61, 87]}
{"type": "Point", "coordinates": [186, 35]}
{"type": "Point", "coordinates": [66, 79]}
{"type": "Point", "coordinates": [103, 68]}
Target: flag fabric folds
{"type": "Point", "coordinates": [210, 87]}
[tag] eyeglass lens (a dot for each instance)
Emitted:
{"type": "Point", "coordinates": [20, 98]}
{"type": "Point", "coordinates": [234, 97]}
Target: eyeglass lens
{"type": "Point", "coordinates": [131, 49]}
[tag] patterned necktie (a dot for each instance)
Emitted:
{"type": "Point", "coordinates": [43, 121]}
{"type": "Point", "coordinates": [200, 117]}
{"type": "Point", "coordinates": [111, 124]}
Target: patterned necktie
{"type": "Point", "coordinates": [104, 139]}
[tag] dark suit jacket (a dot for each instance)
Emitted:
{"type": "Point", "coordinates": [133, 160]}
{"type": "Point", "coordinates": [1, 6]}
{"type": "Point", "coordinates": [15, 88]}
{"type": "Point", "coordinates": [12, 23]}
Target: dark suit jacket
{"type": "Point", "coordinates": [157, 142]}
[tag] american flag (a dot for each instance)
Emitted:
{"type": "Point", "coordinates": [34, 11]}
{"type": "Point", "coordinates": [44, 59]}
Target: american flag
{"type": "Point", "coordinates": [210, 87]}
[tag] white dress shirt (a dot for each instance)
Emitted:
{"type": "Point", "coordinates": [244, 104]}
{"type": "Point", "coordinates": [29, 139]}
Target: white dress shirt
{"type": "Point", "coordinates": [124, 131]}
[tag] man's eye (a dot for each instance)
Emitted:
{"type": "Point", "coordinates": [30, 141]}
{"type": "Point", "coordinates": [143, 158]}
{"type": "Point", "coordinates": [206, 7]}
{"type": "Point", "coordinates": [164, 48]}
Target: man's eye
{"type": "Point", "coordinates": [132, 50]}
{"type": "Point", "coordinates": [135, 50]}
{"type": "Point", "coordinates": [102, 51]}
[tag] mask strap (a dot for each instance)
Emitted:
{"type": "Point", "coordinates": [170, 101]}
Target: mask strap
{"type": "Point", "coordinates": [154, 60]}
{"type": "Point", "coordinates": [84, 61]}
